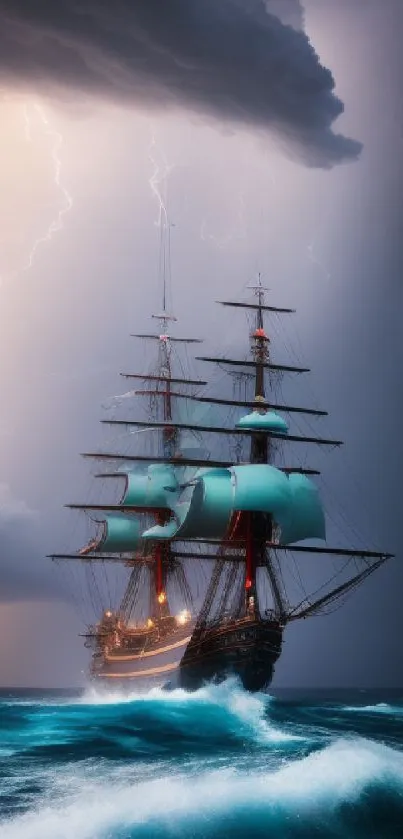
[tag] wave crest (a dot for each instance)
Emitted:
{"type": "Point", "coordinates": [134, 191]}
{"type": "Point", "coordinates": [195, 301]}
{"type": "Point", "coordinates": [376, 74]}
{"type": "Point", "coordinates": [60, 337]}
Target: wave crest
{"type": "Point", "coordinates": [310, 791]}
{"type": "Point", "coordinates": [226, 706]}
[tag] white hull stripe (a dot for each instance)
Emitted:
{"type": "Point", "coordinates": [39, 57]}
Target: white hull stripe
{"type": "Point", "coordinates": [114, 658]}
{"type": "Point", "coordinates": [155, 671]}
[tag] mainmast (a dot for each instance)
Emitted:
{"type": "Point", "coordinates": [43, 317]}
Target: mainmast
{"type": "Point", "coordinates": [260, 350]}
{"type": "Point", "coordinates": [259, 525]}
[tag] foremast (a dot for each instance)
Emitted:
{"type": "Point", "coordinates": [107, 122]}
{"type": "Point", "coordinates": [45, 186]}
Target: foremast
{"type": "Point", "coordinates": [162, 551]}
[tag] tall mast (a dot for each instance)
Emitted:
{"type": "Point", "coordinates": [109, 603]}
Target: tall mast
{"type": "Point", "coordinates": [259, 452]}
{"type": "Point", "coordinates": [169, 434]}
{"type": "Point", "coordinates": [259, 525]}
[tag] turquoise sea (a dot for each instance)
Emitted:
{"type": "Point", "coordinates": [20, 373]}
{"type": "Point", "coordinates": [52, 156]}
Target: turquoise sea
{"type": "Point", "coordinates": [215, 763]}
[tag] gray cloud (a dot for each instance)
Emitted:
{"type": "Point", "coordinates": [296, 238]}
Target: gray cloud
{"type": "Point", "coordinates": [24, 571]}
{"type": "Point", "coordinates": [290, 12]}
{"type": "Point", "coordinates": [230, 59]}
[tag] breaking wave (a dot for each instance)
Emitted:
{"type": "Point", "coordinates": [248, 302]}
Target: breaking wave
{"type": "Point", "coordinates": [215, 763]}
{"type": "Point", "coordinates": [213, 710]}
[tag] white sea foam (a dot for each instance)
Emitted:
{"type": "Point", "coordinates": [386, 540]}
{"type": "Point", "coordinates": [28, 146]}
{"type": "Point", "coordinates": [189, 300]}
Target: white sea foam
{"type": "Point", "coordinates": [339, 773]}
{"type": "Point", "coordinates": [379, 708]}
{"type": "Point", "coordinates": [249, 710]}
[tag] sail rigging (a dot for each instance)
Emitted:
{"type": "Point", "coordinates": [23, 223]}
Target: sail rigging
{"type": "Point", "coordinates": [207, 429]}
{"type": "Point", "coordinates": [206, 487]}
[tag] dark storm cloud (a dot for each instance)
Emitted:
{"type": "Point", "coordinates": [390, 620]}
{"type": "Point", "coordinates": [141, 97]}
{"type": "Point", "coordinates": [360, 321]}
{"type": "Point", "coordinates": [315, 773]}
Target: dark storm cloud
{"type": "Point", "coordinates": [230, 59]}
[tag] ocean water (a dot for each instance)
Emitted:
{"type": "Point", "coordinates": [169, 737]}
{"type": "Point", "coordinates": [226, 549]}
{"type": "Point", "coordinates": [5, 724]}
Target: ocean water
{"type": "Point", "coordinates": [216, 763]}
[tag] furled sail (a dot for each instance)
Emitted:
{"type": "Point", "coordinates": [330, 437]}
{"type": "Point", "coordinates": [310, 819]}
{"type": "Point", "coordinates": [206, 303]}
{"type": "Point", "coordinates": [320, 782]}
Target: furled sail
{"type": "Point", "coordinates": [267, 421]}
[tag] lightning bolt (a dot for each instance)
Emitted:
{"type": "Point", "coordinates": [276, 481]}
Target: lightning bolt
{"type": "Point", "coordinates": [57, 223]}
{"type": "Point", "coordinates": [32, 113]}
{"type": "Point", "coordinates": [160, 175]}
{"type": "Point", "coordinates": [158, 183]}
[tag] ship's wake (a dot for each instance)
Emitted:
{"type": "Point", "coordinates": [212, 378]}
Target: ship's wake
{"type": "Point", "coordinates": [214, 763]}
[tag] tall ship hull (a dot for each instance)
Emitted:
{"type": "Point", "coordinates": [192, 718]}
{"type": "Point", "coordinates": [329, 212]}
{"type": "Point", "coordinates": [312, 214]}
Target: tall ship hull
{"type": "Point", "coordinates": [246, 648]}
{"type": "Point", "coordinates": [148, 663]}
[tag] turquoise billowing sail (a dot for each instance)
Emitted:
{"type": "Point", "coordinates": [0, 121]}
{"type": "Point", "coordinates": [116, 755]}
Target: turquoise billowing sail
{"type": "Point", "coordinates": [303, 517]}
{"type": "Point", "coordinates": [260, 487]}
{"type": "Point", "coordinates": [156, 489]}
{"type": "Point", "coordinates": [208, 513]}
{"type": "Point", "coordinates": [210, 508]}
{"type": "Point", "coordinates": [292, 500]}
{"type": "Point", "coordinates": [121, 534]}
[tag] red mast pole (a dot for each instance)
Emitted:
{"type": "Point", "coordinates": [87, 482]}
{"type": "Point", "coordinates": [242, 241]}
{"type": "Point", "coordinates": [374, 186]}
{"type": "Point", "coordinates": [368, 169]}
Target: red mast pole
{"type": "Point", "coordinates": [249, 567]}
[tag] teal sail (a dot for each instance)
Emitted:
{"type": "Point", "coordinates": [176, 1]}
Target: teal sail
{"type": "Point", "coordinates": [217, 494]}
{"type": "Point", "coordinates": [121, 534]}
{"type": "Point", "coordinates": [263, 421]}
{"type": "Point", "coordinates": [156, 489]}
{"type": "Point", "coordinates": [208, 513]}
{"type": "Point", "coordinates": [303, 517]}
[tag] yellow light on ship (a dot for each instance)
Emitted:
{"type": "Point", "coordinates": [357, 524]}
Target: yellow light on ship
{"type": "Point", "coordinates": [162, 597]}
{"type": "Point", "coordinates": [183, 617]}
{"type": "Point", "coordinates": [150, 623]}
{"type": "Point", "coordinates": [108, 614]}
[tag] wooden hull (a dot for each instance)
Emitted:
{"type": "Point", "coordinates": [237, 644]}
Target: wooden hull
{"type": "Point", "coordinates": [151, 667]}
{"type": "Point", "coordinates": [245, 648]}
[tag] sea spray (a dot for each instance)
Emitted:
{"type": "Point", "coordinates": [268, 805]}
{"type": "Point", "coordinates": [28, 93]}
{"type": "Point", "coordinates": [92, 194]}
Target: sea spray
{"type": "Point", "coordinates": [212, 763]}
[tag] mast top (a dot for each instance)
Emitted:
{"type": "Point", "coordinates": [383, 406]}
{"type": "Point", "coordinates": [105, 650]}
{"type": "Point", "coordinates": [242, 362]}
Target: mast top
{"type": "Point", "coordinates": [258, 287]}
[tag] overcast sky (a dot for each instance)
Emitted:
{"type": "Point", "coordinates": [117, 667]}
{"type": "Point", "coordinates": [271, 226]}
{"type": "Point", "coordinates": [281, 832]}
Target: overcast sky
{"type": "Point", "coordinates": [266, 173]}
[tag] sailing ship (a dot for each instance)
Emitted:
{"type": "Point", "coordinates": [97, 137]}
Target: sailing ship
{"type": "Point", "coordinates": [127, 649]}
{"type": "Point", "coordinates": [233, 507]}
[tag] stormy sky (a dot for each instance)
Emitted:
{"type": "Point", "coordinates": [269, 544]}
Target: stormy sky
{"type": "Point", "coordinates": [283, 140]}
